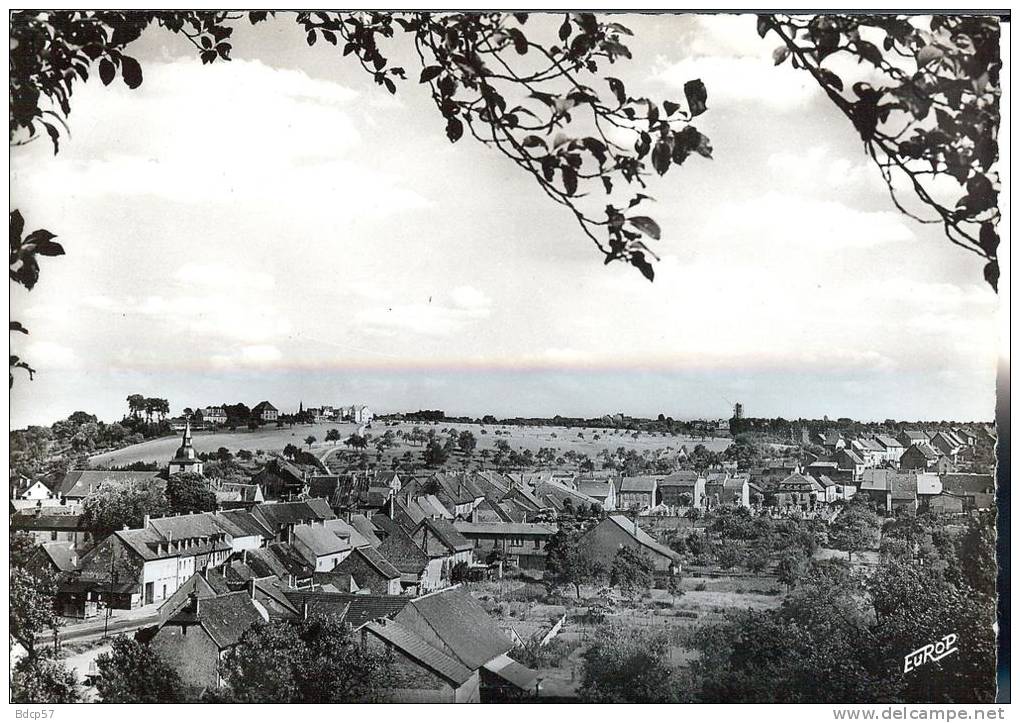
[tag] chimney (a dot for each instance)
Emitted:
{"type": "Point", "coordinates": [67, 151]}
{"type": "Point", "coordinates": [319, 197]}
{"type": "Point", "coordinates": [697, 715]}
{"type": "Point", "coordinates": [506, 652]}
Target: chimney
{"type": "Point", "coordinates": [251, 588]}
{"type": "Point", "coordinates": [195, 603]}
{"type": "Point", "coordinates": [304, 610]}
{"type": "Point", "coordinates": [145, 522]}
{"type": "Point", "coordinates": [244, 557]}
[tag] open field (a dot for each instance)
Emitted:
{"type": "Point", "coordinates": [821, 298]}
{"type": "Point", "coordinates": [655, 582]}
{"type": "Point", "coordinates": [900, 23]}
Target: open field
{"type": "Point", "coordinates": [273, 439]}
{"type": "Point", "coordinates": [510, 604]}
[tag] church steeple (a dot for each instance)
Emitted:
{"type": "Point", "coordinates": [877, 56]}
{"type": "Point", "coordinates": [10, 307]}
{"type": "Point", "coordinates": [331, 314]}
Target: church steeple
{"type": "Point", "coordinates": [186, 460]}
{"type": "Point", "coordinates": [301, 407]}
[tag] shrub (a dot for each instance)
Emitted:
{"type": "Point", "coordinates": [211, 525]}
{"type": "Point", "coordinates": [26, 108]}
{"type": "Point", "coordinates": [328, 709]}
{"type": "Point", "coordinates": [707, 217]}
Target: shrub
{"type": "Point", "coordinates": [701, 586]}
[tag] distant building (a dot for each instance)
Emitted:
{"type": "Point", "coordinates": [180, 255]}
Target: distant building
{"type": "Point", "coordinates": [920, 456]}
{"type": "Point", "coordinates": [212, 415]}
{"type": "Point", "coordinates": [674, 487]}
{"type": "Point", "coordinates": [616, 532]}
{"type": "Point", "coordinates": [185, 460]}
{"type": "Point", "coordinates": [265, 412]}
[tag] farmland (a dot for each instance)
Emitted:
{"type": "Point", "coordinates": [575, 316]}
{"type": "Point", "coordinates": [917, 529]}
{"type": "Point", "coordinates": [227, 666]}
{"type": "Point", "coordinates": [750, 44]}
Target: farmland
{"type": "Point", "coordinates": [274, 439]}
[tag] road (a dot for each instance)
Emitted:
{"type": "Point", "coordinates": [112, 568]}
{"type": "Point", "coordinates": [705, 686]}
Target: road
{"type": "Point", "coordinates": [124, 622]}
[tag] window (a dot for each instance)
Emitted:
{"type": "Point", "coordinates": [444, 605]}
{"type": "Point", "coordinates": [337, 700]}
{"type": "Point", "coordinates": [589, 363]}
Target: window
{"type": "Point", "coordinates": [53, 535]}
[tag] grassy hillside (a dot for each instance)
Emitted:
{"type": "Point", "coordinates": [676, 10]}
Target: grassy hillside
{"type": "Point", "coordinates": [272, 439]}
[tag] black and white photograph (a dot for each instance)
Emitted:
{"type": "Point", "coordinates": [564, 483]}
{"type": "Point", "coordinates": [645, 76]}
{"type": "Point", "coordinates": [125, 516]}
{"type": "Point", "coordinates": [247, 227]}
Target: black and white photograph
{"type": "Point", "coordinates": [509, 356]}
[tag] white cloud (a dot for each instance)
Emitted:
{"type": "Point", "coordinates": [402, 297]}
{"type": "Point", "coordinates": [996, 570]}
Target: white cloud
{"type": "Point", "coordinates": [819, 169]}
{"type": "Point", "coordinates": [222, 276]}
{"type": "Point", "coordinates": [778, 220]}
{"type": "Point", "coordinates": [50, 355]}
{"type": "Point", "coordinates": [239, 131]}
{"type": "Point", "coordinates": [254, 356]}
{"type": "Point", "coordinates": [465, 305]}
{"type": "Point", "coordinates": [734, 82]}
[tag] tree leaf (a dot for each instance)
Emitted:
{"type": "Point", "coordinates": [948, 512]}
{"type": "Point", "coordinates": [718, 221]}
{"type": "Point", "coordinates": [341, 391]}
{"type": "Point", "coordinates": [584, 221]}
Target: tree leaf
{"type": "Point", "coordinates": [638, 260]}
{"type": "Point", "coordinates": [454, 129]}
{"type": "Point", "coordinates": [17, 227]}
{"type": "Point", "coordinates": [646, 226]}
{"type": "Point", "coordinates": [780, 54]}
{"type": "Point", "coordinates": [569, 180]}
{"type": "Point", "coordinates": [763, 25]}
{"type": "Point", "coordinates": [564, 30]}
{"type": "Point", "coordinates": [429, 72]}
{"type": "Point", "coordinates": [520, 42]}
{"type": "Point", "coordinates": [49, 248]}
{"type": "Point", "coordinates": [616, 85]}
{"type": "Point", "coordinates": [131, 71]}
{"type": "Point", "coordinates": [107, 71]}
{"type": "Point", "coordinates": [533, 142]}
{"type": "Point", "coordinates": [661, 154]}
{"type": "Point", "coordinates": [670, 107]}
{"type": "Point", "coordinates": [697, 96]}
{"type": "Point", "coordinates": [16, 326]}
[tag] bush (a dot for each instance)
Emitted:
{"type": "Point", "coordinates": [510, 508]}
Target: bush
{"type": "Point", "coordinates": [701, 586]}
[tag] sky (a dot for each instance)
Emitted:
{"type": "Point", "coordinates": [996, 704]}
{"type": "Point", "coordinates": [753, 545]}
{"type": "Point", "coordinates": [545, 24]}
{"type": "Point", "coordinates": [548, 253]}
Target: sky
{"type": "Point", "coordinates": [278, 227]}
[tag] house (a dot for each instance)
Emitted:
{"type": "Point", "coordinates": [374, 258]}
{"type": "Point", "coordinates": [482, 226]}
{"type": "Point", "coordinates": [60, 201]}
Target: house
{"type": "Point", "coordinates": [78, 484]}
{"type": "Point", "coordinates": [638, 493]}
{"type": "Point", "coordinates": [54, 558]}
{"type": "Point", "coordinates": [850, 463]}
{"type": "Point", "coordinates": [244, 529]}
{"type": "Point", "coordinates": [194, 640]}
{"type": "Point", "coordinates": [616, 531]}
{"type": "Point", "coordinates": [833, 490]}
{"type": "Point", "coordinates": [831, 441]}
{"type": "Point", "coordinates": [948, 444]}
{"type": "Point", "coordinates": [185, 460]}
{"type": "Point", "coordinates": [370, 570]}
{"type": "Point", "coordinates": [977, 491]}
{"type": "Point", "coordinates": [357, 413]}
{"type": "Point", "coordinates": [26, 489]}
{"type": "Point", "coordinates": [453, 622]}
{"type": "Point", "coordinates": [145, 566]}
{"type": "Point", "coordinates": [211, 415]}
{"type": "Point", "coordinates": [281, 517]}
{"type": "Point", "coordinates": [714, 488]}
{"type": "Point", "coordinates": [920, 456]}
{"type": "Point", "coordinates": [280, 479]}
{"type": "Point", "coordinates": [910, 437]}
{"type": "Point", "coordinates": [237, 495]}
{"type": "Point", "coordinates": [441, 541]}
{"type": "Point", "coordinates": [52, 525]}
{"type": "Point", "coordinates": [320, 547]}
{"type": "Point", "coordinates": [521, 544]}
{"type": "Point", "coordinates": [889, 489]}
{"type": "Point", "coordinates": [602, 491]}
{"type": "Point", "coordinates": [265, 412]}
{"type": "Point", "coordinates": [736, 491]}
{"type": "Point", "coordinates": [892, 448]}
{"type": "Point", "coordinates": [417, 573]}
{"type": "Point", "coordinates": [869, 450]}
{"type": "Point", "coordinates": [799, 490]}
{"type": "Point", "coordinates": [563, 499]}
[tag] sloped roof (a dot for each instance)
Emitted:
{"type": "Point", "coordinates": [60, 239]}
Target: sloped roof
{"type": "Point", "coordinates": [888, 442]}
{"type": "Point", "coordinates": [798, 482]}
{"type": "Point", "coordinates": [463, 625]}
{"type": "Point", "coordinates": [279, 514]}
{"type": "Point", "coordinates": [364, 526]}
{"type": "Point", "coordinates": [320, 540]}
{"type": "Point", "coordinates": [346, 531]}
{"type": "Point", "coordinates": [227, 617]}
{"type": "Point", "coordinates": [399, 549]}
{"type": "Point", "coordinates": [32, 521]}
{"type": "Point", "coordinates": [851, 455]}
{"type": "Point", "coordinates": [641, 536]}
{"type": "Point", "coordinates": [61, 555]}
{"type": "Point", "coordinates": [596, 489]}
{"type": "Point", "coordinates": [369, 555]}
{"type": "Point", "coordinates": [926, 450]}
{"type": "Point", "coordinates": [293, 562]}
{"type": "Point", "coordinates": [417, 649]}
{"type": "Point", "coordinates": [447, 534]}
{"type": "Point", "coordinates": [181, 527]}
{"type": "Point", "coordinates": [643, 483]}
{"type": "Point", "coordinates": [961, 483]}
{"type": "Point", "coordinates": [263, 563]}
{"type": "Point", "coordinates": [244, 522]}
{"type": "Point", "coordinates": [82, 482]}
{"type": "Point", "coordinates": [356, 609]}
{"type": "Point", "coordinates": [503, 528]}
{"type": "Point", "coordinates": [681, 478]}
